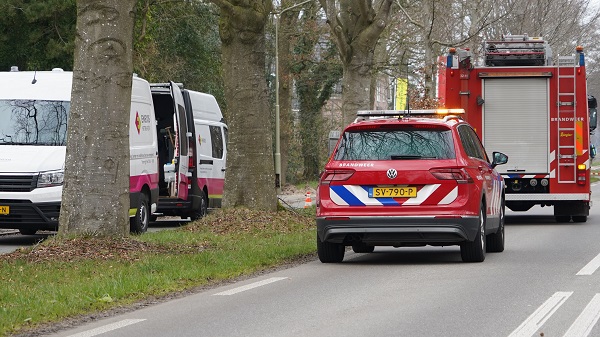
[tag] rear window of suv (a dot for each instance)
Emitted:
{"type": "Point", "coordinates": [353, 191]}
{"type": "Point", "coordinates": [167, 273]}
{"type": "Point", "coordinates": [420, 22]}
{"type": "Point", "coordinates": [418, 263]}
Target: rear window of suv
{"type": "Point", "coordinates": [398, 143]}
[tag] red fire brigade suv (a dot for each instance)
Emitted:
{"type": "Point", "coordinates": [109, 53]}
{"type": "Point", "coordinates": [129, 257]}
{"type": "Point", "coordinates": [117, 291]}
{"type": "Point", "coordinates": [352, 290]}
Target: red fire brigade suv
{"type": "Point", "coordinates": [410, 178]}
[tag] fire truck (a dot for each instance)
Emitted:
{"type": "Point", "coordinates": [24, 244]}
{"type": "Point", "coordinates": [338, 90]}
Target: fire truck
{"type": "Point", "coordinates": [534, 110]}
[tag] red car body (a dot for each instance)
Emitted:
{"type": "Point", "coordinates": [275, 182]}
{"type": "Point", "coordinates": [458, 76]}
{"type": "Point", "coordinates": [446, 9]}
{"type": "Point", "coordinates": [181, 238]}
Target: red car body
{"type": "Point", "coordinates": [410, 181]}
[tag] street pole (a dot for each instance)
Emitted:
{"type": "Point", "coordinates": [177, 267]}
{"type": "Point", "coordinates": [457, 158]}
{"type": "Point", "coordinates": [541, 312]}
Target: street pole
{"type": "Point", "coordinates": [277, 123]}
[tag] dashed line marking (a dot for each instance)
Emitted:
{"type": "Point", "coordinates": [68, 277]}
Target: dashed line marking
{"type": "Point", "coordinates": [107, 328]}
{"type": "Point", "coordinates": [586, 320]}
{"type": "Point", "coordinates": [591, 267]}
{"type": "Point", "coordinates": [541, 315]}
{"type": "Point", "coordinates": [249, 286]}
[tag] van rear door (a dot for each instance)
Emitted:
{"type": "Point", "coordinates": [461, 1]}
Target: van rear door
{"type": "Point", "coordinates": [182, 150]}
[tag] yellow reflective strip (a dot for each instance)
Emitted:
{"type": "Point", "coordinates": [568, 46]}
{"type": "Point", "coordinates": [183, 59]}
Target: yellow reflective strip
{"type": "Point", "coordinates": [132, 212]}
{"type": "Point", "coordinates": [579, 137]}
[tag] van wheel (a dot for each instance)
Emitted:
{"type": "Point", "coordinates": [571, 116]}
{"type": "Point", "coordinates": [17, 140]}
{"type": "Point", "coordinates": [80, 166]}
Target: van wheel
{"type": "Point", "coordinates": [139, 223]}
{"type": "Point", "coordinates": [27, 231]}
{"type": "Point", "coordinates": [474, 251]}
{"type": "Point", "coordinates": [202, 209]}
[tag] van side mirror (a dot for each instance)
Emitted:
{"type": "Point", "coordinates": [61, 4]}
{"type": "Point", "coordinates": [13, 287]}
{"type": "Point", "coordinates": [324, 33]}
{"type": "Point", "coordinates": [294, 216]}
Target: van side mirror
{"type": "Point", "coordinates": [499, 159]}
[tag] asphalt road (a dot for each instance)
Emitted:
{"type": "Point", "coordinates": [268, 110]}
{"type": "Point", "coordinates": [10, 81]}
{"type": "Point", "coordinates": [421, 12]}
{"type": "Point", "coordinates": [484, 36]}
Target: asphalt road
{"type": "Point", "coordinates": [544, 282]}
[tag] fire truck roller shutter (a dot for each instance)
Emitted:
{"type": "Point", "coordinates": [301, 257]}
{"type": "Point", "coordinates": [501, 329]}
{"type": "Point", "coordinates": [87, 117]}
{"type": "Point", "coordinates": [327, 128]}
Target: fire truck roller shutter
{"type": "Point", "coordinates": [516, 117]}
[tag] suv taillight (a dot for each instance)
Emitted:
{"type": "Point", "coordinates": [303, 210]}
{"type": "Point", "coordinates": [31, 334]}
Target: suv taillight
{"type": "Point", "coordinates": [459, 174]}
{"type": "Point", "coordinates": [335, 175]}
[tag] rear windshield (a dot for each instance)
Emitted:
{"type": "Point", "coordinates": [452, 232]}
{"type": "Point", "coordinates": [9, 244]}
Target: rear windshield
{"type": "Point", "coordinates": [396, 144]}
{"type": "Point", "coordinates": [33, 122]}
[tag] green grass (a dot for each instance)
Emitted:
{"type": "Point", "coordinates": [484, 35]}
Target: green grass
{"type": "Point", "coordinates": [308, 184]}
{"type": "Point", "coordinates": [67, 280]}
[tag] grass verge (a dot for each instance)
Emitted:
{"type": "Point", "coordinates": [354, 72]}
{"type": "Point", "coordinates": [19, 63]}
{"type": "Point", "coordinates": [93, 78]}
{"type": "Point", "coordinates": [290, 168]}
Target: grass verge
{"type": "Point", "coordinates": [68, 277]}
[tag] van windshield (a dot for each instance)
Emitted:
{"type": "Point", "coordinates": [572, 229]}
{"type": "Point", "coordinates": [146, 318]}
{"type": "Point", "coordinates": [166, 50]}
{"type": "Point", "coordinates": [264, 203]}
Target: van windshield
{"type": "Point", "coordinates": [33, 122]}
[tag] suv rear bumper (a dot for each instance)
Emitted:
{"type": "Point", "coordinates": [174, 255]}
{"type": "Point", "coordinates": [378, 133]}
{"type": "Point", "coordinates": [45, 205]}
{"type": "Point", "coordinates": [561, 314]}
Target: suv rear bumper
{"type": "Point", "coordinates": [398, 230]}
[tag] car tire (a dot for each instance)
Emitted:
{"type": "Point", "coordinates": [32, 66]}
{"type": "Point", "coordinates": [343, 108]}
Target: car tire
{"type": "Point", "coordinates": [495, 242]}
{"type": "Point", "coordinates": [330, 252]}
{"type": "Point", "coordinates": [27, 231]}
{"type": "Point", "coordinates": [474, 251]}
{"type": "Point", "coordinates": [580, 218]}
{"type": "Point", "coordinates": [562, 218]}
{"type": "Point", "coordinates": [362, 248]}
{"type": "Point", "coordinates": [202, 209]}
{"type": "Point", "coordinates": [139, 223]}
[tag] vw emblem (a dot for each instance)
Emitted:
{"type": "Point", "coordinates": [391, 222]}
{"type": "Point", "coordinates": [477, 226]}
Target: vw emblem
{"type": "Point", "coordinates": [392, 174]}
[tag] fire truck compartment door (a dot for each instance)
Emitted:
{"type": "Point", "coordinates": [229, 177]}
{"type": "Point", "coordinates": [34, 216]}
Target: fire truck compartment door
{"type": "Point", "coordinates": [515, 119]}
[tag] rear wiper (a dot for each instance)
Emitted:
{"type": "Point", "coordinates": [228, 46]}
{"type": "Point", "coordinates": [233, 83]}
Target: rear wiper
{"type": "Point", "coordinates": [397, 157]}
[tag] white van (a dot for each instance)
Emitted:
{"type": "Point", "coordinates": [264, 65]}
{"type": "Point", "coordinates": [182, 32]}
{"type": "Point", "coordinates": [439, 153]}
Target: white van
{"type": "Point", "coordinates": [34, 109]}
{"type": "Point", "coordinates": [192, 168]}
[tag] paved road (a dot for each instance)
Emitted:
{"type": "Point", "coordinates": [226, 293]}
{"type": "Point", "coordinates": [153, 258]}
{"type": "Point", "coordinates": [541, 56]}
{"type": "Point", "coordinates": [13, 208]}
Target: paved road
{"type": "Point", "coordinates": [545, 282]}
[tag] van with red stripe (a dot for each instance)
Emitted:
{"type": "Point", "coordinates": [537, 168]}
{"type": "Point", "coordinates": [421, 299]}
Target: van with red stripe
{"type": "Point", "coordinates": [410, 178]}
{"type": "Point", "coordinates": [34, 112]}
{"type": "Point", "coordinates": [177, 143]}
{"type": "Point", "coordinates": [192, 155]}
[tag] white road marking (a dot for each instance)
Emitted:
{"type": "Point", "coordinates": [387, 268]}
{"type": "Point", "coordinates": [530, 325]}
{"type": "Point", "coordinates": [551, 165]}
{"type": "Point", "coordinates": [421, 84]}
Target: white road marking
{"type": "Point", "coordinates": [591, 267]}
{"type": "Point", "coordinates": [107, 328]}
{"type": "Point", "coordinates": [249, 286]}
{"type": "Point", "coordinates": [587, 319]}
{"type": "Point", "coordinates": [541, 315]}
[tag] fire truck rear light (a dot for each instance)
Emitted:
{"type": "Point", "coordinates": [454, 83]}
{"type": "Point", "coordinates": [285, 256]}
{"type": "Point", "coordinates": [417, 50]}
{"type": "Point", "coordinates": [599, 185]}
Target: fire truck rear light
{"type": "Point", "coordinates": [544, 182]}
{"type": "Point", "coordinates": [459, 174]}
{"type": "Point", "coordinates": [336, 175]}
{"type": "Point", "coordinates": [581, 174]}
{"type": "Point", "coordinates": [533, 182]}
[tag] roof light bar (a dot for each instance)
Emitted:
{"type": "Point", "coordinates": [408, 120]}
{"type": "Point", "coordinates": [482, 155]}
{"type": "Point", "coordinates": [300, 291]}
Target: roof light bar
{"type": "Point", "coordinates": [429, 112]}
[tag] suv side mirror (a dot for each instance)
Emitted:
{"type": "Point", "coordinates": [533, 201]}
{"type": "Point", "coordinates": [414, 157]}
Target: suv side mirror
{"type": "Point", "coordinates": [499, 159]}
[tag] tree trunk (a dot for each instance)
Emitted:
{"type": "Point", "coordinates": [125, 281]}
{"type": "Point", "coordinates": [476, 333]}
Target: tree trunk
{"type": "Point", "coordinates": [356, 26]}
{"type": "Point", "coordinates": [96, 186]}
{"type": "Point", "coordinates": [288, 21]}
{"type": "Point", "coordinates": [356, 84]}
{"type": "Point", "coordinates": [250, 170]}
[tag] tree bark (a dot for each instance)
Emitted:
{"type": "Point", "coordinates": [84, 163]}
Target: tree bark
{"type": "Point", "coordinates": [95, 197]}
{"type": "Point", "coordinates": [250, 178]}
{"type": "Point", "coordinates": [356, 28]}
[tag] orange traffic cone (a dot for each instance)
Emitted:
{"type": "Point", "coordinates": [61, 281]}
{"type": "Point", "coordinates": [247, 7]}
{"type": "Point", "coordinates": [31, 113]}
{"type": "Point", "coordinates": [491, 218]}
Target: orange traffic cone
{"type": "Point", "coordinates": [307, 201]}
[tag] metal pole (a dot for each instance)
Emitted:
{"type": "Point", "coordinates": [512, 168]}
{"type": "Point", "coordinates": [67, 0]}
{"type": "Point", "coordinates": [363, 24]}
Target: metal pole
{"type": "Point", "coordinates": [277, 125]}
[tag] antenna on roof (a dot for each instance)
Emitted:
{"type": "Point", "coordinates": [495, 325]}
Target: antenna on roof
{"type": "Point", "coordinates": [34, 80]}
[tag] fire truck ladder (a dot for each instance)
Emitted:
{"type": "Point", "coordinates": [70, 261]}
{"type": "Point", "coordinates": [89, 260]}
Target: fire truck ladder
{"type": "Point", "coordinates": [567, 152]}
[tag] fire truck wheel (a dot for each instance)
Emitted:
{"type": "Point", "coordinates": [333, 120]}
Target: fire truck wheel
{"type": "Point", "coordinates": [474, 251]}
{"type": "Point", "coordinates": [139, 223]}
{"type": "Point", "coordinates": [330, 252]}
{"type": "Point", "coordinates": [562, 218]}
{"type": "Point", "coordinates": [579, 218]}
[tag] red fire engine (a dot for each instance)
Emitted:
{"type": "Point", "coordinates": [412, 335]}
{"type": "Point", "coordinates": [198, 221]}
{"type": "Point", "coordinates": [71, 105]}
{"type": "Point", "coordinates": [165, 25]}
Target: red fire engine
{"type": "Point", "coordinates": [533, 110]}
